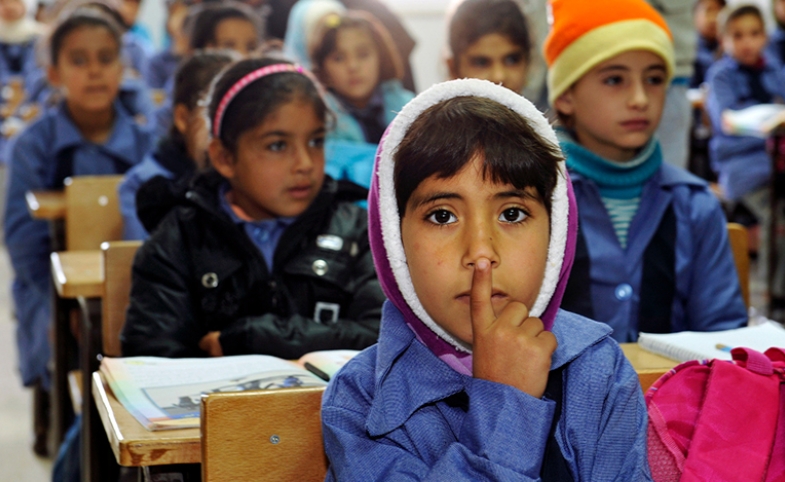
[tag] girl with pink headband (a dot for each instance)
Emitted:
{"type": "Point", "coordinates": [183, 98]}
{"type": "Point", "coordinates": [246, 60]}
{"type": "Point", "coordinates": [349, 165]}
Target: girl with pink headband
{"type": "Point", "coordinates": [264, 253]}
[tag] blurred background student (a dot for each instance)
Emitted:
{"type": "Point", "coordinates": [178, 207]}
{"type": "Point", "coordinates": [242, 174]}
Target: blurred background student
{"type": "Point", "coordinates": [354, 58]}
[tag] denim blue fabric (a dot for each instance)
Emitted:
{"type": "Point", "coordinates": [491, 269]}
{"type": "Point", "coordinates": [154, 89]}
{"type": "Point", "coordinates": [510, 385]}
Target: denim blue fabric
{"type": "Point", "coordinates": [126, 191]}
{"type": "Point", "coordinates": [741, 162]}
{"type": "Point", "coordinates": [391, 414]}
{"type": "Point", "coordinates": [32, 157]}
{"type": "Point", "coordinates": [707, 295]}
{"type": "Point", "coordinates": [161, 68]}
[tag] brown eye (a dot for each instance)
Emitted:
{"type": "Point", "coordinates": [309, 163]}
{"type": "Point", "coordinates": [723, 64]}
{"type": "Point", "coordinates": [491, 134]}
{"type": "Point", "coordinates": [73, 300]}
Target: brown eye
{"type": "Point", "coordinates": [513, 215]}
{"type": "Point", "coordinates": [442, 216]}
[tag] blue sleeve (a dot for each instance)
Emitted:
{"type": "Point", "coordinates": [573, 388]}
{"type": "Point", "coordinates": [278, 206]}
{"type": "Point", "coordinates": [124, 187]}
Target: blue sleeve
{"type": "Point", "coordinates": [606, 417]}
{"type": "Point", "coordinates": [715, 301]}
{"type": "Point", "coordinates": [350, 160]}
{"type": "Point", "coordinates": [126, 191]}
{"type": "Point", "coordinates": [723, 95]}
{"type": "Point", "coordinates": [503, 437]}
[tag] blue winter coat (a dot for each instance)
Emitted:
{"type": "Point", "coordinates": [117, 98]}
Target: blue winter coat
{"type": "Point", "coordinates": [740, 161]}
{"type": "Point", "coordinates": [391, 414]}
{"type": "Point", "coordinates": [347, 154]}
{"type": "Point", "coordinates": [707, 294]}
{"type": "Point", "coordinates": [33, 166]}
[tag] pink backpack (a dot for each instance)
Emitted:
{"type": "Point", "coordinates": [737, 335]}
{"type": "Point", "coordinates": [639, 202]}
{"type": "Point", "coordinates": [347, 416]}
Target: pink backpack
{"type": "Point", "coordinates": [717, 420]}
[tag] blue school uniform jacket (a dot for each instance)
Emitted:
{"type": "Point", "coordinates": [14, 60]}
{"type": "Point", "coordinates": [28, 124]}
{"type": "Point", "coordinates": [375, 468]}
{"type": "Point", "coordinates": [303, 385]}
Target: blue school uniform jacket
{"type": "Point", "coordinates": [397, 412]}
{"type": "Point", "coordinates": [348, 155]}
{"type": "Point", "coordinates": [678, 265]}
{"type": "Point", "coordinates": [161, 68]}
{"type": "Point", "coordinates": [126, 191]}
{"type": "Point", "coordinates": [775, 50]}
{"type": "Point", "coordinates": [741, 162]}
{"type": "Point", "coordinates": [35, 157]}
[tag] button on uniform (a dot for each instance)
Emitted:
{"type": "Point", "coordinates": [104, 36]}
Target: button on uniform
{"type": "Point", "coordinates": [623, 292]}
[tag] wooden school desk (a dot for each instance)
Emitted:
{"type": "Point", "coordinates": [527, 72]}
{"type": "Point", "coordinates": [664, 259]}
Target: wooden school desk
{"type": "Point", "coordinates": [46, 205]}
{"type": "Point", "coordinates": [135, 446]}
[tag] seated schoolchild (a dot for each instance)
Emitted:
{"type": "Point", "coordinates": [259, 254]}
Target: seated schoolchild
{"type": "Point", "coordinates": [653, 252]}
{"type": "Point", "coordinates": [775, 50]}
{"type": "Point", "coordinates": [163, 64]}
{"type": "Point", "coordinates": [478, 375]}
{"type": "Point", "coordinates": [265, 254]}
{"type": "Point", "coordinates": [355, 58]}
{"type": "Point", "coordinates": [745, 77]}
{"type": "Point", "coordinates": [708, 41]}
{"type": "Point", "coordinates": [184, 150]}
{"type": "Point", "coordinates": [490, 40]}
{"type": "Point", "coordinates": [89, 133]}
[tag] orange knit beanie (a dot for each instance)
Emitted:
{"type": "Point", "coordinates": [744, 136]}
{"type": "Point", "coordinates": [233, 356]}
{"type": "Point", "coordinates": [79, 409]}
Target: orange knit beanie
{"type": "Point", "coordinates": [588, 32]}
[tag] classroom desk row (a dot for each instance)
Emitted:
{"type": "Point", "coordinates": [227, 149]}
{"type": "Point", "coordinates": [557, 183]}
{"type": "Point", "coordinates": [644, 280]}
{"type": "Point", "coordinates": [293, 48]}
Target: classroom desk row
{"type": "Point", "coordinates": [135, 446]}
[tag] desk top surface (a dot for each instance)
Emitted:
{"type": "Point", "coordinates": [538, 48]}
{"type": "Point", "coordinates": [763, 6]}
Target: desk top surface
{"type": "Point", "coordinates": [47, 205]}
{"type": "Point", "coordinates": [133, 445]}
{"type": "Point", "coordinates": [78, 273]}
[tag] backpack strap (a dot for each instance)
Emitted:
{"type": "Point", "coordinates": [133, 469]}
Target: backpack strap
{"type": "Point", "coordinates": [554, 466]}
{"type": "Point", "coordinates": [658, 282]}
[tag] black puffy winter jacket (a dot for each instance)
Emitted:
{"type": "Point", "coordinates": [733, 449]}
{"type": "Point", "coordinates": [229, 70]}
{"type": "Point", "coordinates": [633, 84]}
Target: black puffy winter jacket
{"type": "Point", "coordinates": [199, 272]}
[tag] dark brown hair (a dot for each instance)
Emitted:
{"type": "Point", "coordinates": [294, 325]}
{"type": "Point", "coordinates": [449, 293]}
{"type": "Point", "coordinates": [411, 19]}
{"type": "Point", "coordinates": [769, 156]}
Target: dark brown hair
{"type": "Point", "coordinates": [474, 19]}
{"type": "Point", "coordinates": [206, 18]}
{"type": "Point", "coordinates": [260, 98]}
{"type": "Point", "coordinates": [444, 138]}
{"type": "Point", "coordinates": [730, 14]}
{"type": "Point", "coordinates": [84, 16]}
{"type": "Point", "coordinates": [325, 42]}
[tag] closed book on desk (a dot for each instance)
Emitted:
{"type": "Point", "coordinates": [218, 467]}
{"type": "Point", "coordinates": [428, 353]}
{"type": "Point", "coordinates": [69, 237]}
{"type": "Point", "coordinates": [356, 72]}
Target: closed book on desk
{"type": "Point", "coordinates": [694, 345]}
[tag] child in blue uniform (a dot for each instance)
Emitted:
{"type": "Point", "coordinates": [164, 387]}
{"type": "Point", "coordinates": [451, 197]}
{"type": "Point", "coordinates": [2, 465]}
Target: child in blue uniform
{"type": "Point", "coordinates": [355, 58]}
{"type": "Point", "coordinates": [184, 150]}
{"type": "Point", "coordinates": [745, 77]}
{"type": "Point", "coordinates": [478, 375]}
{"type": "Point", "coordinates": [89, 133]}
{"type": "Point", "coordinates": [653, 252]}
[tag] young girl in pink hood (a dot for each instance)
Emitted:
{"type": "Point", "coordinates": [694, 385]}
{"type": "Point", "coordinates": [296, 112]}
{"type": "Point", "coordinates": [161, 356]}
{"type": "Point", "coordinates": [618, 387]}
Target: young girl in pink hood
{"type": "Point", "coordinates": [478, 375]}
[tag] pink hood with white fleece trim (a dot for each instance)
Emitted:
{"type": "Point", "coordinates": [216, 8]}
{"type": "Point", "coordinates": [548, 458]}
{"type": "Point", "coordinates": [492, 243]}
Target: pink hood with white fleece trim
{"type": "Point", "coordinates": [385, 221]}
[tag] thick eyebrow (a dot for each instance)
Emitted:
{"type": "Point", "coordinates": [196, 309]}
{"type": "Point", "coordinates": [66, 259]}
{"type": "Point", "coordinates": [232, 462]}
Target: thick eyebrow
{"type": "Point", "coordinates": [318, 131]}
{"type": "Point", "coordinates": [656, 67]}
{"type": "Point", "coordinates": [612, 68]}
{"type": "Point", "coordinates": [438, 196]}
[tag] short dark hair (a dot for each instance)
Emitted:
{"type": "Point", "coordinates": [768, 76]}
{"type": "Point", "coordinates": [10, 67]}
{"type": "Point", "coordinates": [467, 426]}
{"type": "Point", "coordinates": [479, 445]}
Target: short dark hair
{"type": "Point", "coordinates": [209, 15]}
{"type": "Point", "coordinates": [697, 3]}
{"type": "Point", "coordinates": [193, 78]}
{"type": "Point", "coordinates": [731, 14]}
{"type": "Point", "coordinates": [446, 136]}
{"type": "Point", "coordinates": [79, 18]}
{"type": "Point", "coordinates": [474, 19]}
{"type": "Point", "coordinates": [260, 98]}
{"type": "Point", "coordinates": [326, 38]}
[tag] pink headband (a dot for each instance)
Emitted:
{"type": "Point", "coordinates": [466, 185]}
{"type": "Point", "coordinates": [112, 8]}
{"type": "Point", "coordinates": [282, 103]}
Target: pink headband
{"type": "Point", "coordinates": [243, 83]}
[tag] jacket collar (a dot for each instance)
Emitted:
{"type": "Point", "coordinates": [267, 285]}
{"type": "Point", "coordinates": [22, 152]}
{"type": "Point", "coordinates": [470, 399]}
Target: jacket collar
{"type": "Point", "coordinates": [421, 378]}
{"type": "Point", "coordinates": [120, 145]}
{"type": "Point", "coordinates": [668, 176]}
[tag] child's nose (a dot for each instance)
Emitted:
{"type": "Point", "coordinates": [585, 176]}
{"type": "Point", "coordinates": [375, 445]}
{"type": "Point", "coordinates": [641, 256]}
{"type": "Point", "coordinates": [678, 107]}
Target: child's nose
{"type": "Point", "coordinates": [639, 97]}
{"type": "Point", "coordinates": [303, 161]}
{"type": "Point", "coordinates": [480, 244]}
{"type": "Point", "coordinates": [498, 74]}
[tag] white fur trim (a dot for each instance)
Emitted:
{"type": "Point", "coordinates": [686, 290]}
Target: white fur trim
{"type": "Point", "coordinates": [390, 218]}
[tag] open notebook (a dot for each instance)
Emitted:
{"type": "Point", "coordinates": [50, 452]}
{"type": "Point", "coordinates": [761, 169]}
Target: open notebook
{"type": "Point", "coordinates": [693, 345]}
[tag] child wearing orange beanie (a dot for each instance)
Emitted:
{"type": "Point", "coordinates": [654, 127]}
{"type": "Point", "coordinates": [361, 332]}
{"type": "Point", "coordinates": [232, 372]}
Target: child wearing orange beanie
{"type": "Point", "coordinates": [652, 252]}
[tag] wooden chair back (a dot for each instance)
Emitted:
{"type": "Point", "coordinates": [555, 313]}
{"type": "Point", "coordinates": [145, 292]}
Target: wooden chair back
{"type": "Point", "coordinates": [263, 435]}
{"type": "Point", "coordinates": [92, 211]}
{"type": "Point", "coordinates": [118, 259]}
{"type": "Point", "coordinates": [737, 236]}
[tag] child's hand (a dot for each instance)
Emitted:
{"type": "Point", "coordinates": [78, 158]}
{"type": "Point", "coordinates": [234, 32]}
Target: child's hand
{"type": "Point", "coordinates": [512, 348]}
{"type": "Point", "coordinates": [211, 344]}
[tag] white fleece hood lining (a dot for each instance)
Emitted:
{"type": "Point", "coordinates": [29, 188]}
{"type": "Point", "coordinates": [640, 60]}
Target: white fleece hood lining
{"type": "Point", "coordinates": [390, 217]}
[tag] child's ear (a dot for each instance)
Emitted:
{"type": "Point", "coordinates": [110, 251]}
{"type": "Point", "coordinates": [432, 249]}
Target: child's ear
{"type": "Point", "coordinates": [565, 103]}
{"type": "Point", "coordinates": [452, 68]}
{"type": "Point", "coordinates": [221, 159]}
{"type": "Point", "coordinates": [180, 118]}
{"type": "Point", "coordinates": [53, 76]}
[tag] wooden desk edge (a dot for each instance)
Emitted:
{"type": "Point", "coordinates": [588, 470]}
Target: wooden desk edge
{"type": "Point", "coordinates": [45, 205]}
{"type": "Point", "coordinates": [70, 290]}
{"type": "Point", "coordinates": [138, 453]}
